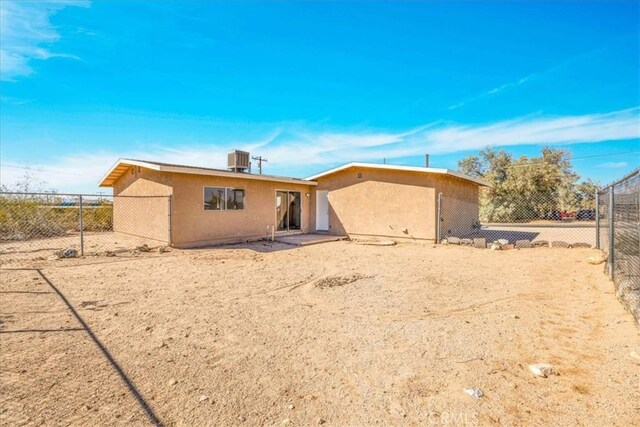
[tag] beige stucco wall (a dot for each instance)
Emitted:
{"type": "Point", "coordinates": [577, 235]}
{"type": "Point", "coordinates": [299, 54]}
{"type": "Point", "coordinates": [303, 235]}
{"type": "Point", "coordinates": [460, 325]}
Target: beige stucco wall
{"type": "Point", "coordinates": [194, 226]}
{"type": "Point", "coordinates": [137, 214]}
{"type": "Point", "coordinates": [385, 202]}
{"type": "Point", "coordinates": [381, 203]}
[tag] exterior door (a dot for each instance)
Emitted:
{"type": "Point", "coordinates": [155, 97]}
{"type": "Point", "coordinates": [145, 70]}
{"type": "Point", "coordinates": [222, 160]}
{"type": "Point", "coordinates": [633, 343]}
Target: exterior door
{"type": "Point", "coordinates": [288, 210]}
{"type": "Point", "coordinates": [322, 210]}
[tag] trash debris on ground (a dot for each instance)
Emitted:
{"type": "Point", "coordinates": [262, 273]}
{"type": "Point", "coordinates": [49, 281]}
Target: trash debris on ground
{"type": "Point", "coordinates": [542, 370]}
{"type": "Point", "coordinates": [474, 392]}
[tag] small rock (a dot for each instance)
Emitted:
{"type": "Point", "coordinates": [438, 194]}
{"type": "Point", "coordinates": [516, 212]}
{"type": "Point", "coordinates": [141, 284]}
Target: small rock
{"type": "Point", "coordinates": [320, 421]}
{"type": "Point", "coordinates": [453, 240]}
{"type": "Point", "coordinates": [162, 344]}
{"type": "Point", "coordinates": [515, 316]}
{"type": "Point", "coordinates": [290, 406]}
{"type": "Point", "coordinates": [444, 242]}
{"type": "Point", "coordinates": [162, 249]}
{"type": "Point", "coordinates": [286, 421]}
{"type": "Point", "coordinates": [173, 381]}
{"type": "Point", "coordinates": [580, 245]}
{"type": "Point", "coordinates": [66, 253]}
{"type": "Point", "coordinates": [474, 392]}
{"type": "Point", "coordinates": [480, 243]}
{"type": "Point", "coordinates": [635, 355]}
{"type": "Point", "coordinates": [559, 244]}
{"type": "Point", "coordinates": [203, 398]}
{"type": "Point", "coordinates": [143, 248]}
{"type": "Point", "coordinates": [242, 419]}
{"type": "Point", "coordinates": [502, 242]}
{"type": "Point", "coordinates": [109, 253]}
{"type": "Point", "coordinates": [523, 244]}
{"type": "Point", "coordinates": [495, 247]}
{"type": "Point", "coordinates": [542, 370]}
{"type": "Point", "coordinates": [597, 259]}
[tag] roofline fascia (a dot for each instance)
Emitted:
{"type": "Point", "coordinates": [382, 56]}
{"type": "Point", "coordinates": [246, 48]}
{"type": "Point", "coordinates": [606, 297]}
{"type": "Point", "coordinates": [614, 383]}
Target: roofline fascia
{"type": "Point", "coordinates": [202, 171]}
{"type": "Point", "coordinates": [400, 168]}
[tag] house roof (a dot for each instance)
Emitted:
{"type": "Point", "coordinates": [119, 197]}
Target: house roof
{"type": "Point", "coordinates": [122, 165]}
{"type": "Point", "coordinates": [401, 168]}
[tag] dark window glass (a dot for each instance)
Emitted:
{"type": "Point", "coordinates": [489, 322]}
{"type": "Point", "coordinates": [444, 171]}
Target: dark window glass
{"type": "Point", "coordinates": [214, 198]}
{"type": "Point", "coordinates": [235, 199]}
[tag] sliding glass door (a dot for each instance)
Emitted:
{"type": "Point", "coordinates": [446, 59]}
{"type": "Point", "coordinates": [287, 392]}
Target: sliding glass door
{"type": "Point", "coordinates": [288, 210]}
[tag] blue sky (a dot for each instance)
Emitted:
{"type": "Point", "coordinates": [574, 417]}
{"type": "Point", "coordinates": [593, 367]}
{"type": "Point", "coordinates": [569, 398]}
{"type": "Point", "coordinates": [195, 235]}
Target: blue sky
{"type": "Point", "coordinates": [313, 85]}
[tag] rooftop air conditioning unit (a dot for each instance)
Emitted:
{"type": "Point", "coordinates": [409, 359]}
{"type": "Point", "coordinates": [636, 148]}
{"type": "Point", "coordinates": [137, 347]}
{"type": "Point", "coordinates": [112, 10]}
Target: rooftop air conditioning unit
{"type": "Point", "coordinates": [238, 161]}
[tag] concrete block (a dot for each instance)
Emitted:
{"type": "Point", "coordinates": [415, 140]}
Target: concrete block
{"type": "Point", "coordinates": [467, 242]}
{"type": "Point", "coordinates": [540, 243]}
{"type": "Point", "coordinates": [559, 244]}
{"type": "Point", "coordinates": [523, 244]}
{"type": "Point", "coordinates": [453, 240]}
{"type": "Point", "coordinates": [480, 243]}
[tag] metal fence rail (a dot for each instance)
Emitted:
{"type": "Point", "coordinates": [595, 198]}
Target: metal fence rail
{"type": "Point", "coordinates": [43, 224]}
{"type": "Point", "coordinates": [619, 237]}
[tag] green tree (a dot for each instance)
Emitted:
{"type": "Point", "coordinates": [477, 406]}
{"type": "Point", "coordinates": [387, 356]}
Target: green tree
{"type": "Point", "coordinates": [526, 188]}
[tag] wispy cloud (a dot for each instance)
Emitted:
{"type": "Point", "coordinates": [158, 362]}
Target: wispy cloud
{"type": "Point", "coordinates": [493, 91]}
{"type": "Point", "coordinates": [27, 33]}
{"type": "Point", "coordinates": [613, 165]}
{"type": "Point", "coordinates": [307, 149]}
{"type": "Point", "coordinates": [573, 61]}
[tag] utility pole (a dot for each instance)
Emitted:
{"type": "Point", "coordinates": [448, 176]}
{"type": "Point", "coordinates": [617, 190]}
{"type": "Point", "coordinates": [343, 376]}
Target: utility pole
{"type": "Point", "coordinates": [260, 159]}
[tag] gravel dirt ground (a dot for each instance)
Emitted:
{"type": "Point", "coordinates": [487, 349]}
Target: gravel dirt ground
{"type": "Point", "coordinates": [335, 334]}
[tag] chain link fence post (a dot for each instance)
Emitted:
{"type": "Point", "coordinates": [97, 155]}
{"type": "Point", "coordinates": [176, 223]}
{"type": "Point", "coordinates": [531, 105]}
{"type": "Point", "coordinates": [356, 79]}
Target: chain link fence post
{"type": "Point", "coordinates": [439, 218]}
{"type": "Point", "coordinates": [597, 219]}
{"type": "Point", "coordinates": [611, 259]}
{"type": "Point", "coordinates": [169, 219]}
{"type": "Point", "coordinates": [81, 228]}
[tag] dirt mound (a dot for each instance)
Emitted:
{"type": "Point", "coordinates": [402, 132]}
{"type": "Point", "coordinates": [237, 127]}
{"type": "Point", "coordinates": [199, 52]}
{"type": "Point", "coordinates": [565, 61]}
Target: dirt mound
{"type": "Point", "coordinates": [335, 281]}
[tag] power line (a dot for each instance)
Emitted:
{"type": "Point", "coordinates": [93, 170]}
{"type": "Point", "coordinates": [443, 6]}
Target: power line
{"type": "Point", "coordinates": [541, 161]}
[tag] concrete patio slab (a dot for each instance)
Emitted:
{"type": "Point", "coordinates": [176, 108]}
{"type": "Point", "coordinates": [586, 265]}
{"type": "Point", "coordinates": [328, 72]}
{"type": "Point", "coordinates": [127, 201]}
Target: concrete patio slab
{"type": "Point", "coordinates": [308, 239]}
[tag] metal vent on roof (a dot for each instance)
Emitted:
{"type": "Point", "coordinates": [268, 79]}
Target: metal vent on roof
{"type": "Point", "coordinates": [238, 161]}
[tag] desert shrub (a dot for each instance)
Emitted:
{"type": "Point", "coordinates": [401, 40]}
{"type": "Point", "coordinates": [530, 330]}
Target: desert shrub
{"type": "Point", "coordinates": [98, 218]}
{"type": "Point", "coordinates": [29, 218]}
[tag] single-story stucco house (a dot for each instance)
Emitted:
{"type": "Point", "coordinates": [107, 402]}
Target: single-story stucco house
{"type": "Point", "coordinates": [189, 206]}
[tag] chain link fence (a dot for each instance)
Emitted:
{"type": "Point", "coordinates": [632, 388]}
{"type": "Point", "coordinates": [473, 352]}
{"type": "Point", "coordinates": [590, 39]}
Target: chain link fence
{"type": "Point", "coordinates": [43, 225]}
{"type": "Point", "coordinates": [543, 220]}
{"type": "Point", "coordinates": [619, 237]}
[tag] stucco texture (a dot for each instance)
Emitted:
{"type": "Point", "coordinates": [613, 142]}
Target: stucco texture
{"type": "Point", "coordinates": [392, 203]}
{"type": "Point", "coordinates": [141, 205]}
{"type": "Point", "coordinates": [191, 225]}
{"type": "Point", "coordinates": [195, 226]}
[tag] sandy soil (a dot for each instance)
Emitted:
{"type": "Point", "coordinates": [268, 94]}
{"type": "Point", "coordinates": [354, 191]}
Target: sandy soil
{"type": "Point", "coordinates": [333, 334]}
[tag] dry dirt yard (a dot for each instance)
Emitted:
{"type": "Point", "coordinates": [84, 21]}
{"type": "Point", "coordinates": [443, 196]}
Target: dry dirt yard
{"type": "Point", "coordinates": [335, 334]}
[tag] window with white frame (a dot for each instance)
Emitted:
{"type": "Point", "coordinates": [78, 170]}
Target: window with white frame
{"type": "Point", "coordinates": [223, 199]}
